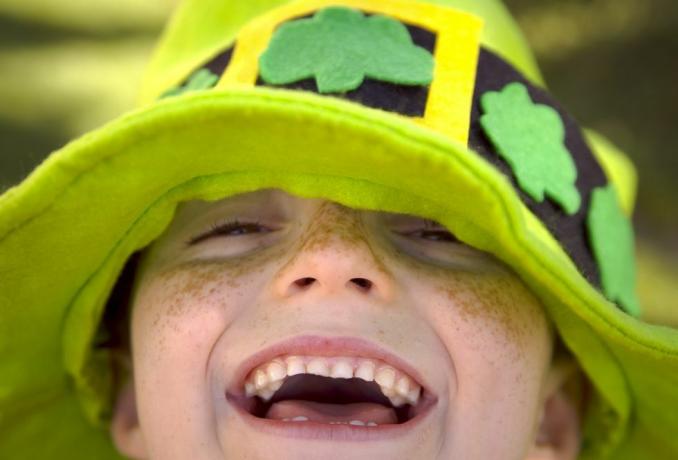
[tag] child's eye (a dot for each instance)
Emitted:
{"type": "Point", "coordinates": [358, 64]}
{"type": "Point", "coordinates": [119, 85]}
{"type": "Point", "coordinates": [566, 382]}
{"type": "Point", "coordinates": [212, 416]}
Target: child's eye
{"type": "Point", "coordinates": [434, 235]}
{"type": "Point", "coordinates": [237, 228]}
{"type": "Point", "coordinates": [233, 228]}
{"type": "Point", "coordinates": [432, 231]}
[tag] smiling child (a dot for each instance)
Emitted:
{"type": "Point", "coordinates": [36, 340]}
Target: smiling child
{"type": "Point", "coordinates": [443, 329]}
{"type": "Point", "coordinates": [337, 229]}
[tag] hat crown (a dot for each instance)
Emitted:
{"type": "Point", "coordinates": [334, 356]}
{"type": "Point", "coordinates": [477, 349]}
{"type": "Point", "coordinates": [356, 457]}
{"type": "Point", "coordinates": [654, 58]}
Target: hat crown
{"type": "Point", "coordinates": [200, 28]}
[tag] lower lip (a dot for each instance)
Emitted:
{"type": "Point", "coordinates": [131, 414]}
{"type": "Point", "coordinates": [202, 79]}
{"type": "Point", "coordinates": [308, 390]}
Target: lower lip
{"type": "Point", "coordinates": [323, 431]}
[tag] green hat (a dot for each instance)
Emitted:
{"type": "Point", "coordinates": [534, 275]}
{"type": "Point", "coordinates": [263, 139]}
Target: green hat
{"type": "Point", "coordinates": [431, 108]}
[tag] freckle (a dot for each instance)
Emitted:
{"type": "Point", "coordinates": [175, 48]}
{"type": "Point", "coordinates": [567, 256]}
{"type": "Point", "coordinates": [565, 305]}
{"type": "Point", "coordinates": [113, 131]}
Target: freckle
{"type": "Point", "coordinates": [498, 299]}
{"type": "Point", "coordinates": [156, 320]}
{"type": "Point", "coordinates": [161, 345]}
{"type": "Point", "coordinates": [232, 283]}
{"type": "Point", "coordinates": [334, 223]}
{"type": "Point", "coordinates": [198, 280]}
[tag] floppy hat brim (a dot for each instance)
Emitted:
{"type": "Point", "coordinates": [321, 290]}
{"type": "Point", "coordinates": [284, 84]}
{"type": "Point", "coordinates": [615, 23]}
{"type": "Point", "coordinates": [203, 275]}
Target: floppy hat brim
{"type": "Point", "coordinates": [66, 232]}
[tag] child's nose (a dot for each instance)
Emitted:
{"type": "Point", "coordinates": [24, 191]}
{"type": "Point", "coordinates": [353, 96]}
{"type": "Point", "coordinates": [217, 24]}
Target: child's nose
{"type": "Point", "coordinates": [335, 256]}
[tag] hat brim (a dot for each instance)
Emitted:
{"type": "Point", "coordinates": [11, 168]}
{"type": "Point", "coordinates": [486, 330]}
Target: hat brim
{"type": "Point", "coordinates": [66, 232]}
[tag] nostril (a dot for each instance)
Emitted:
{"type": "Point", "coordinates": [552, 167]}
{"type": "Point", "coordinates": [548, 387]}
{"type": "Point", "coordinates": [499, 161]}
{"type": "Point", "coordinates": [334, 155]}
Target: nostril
{"type": "Point", "coordinates": [363, 283]}
{"type": "Point", "coordinates": [303, 282]}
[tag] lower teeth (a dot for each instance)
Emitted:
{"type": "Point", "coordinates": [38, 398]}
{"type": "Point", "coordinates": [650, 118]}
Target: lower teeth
{"type": "Point", "coordinates": [301, 418]}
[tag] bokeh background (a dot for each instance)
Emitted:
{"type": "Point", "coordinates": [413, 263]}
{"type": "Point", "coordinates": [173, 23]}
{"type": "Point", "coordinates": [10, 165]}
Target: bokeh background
{"type": "Point", "coordinates": [67, 66]}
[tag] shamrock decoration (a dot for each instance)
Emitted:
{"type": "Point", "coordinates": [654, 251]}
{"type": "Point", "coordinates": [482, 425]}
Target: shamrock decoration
{"type": "Point", "coordinates": [530, 137]}
{"type": "Point", "coordinates": [340, 47]}
{"type": "Point", "coordinates": [202, 79]}
{"type": "Point", "coordinates": [611, 237]}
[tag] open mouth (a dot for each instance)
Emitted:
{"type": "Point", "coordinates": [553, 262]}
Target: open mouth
{"type": "Point", "coordinates": [331, 393]}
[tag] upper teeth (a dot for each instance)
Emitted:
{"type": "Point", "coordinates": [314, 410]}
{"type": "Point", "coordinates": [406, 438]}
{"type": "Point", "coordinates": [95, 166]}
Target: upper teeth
{"type": "Point", "coordinates": [267, 378]}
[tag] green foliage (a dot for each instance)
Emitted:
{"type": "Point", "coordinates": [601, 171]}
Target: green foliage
{"type": "Point", "coordinates": [530, 137]}
{"type": "Point", "coordinates": [612, 241]}
{"type": "Point", "coordinates": [340, 47]}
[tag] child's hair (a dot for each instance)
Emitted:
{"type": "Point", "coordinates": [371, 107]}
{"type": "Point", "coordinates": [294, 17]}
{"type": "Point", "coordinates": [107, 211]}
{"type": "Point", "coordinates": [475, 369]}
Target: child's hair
{"type": "Point", "coordinates": [114, 332]}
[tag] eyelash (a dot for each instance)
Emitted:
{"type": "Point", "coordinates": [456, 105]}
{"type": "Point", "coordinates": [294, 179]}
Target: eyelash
{"type": "Point", "coordinates": [227, 228]}
{"type": "Point", "coordinates": [433, 228]}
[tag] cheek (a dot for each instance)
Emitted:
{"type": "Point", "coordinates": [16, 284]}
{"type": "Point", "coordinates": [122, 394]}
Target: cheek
{"type": "Point", "coordinates": [500, 342]}
{"type": "Point", "coordinates": [178, 317]}
{"type": "Point", "coordinates": [492, 309]}
{"type": "Point", "coordinates": [483, 305]}
{"type": "Point", "coordinates": [496, 332]}
{"type": "Point", "coordinates": [498, 338]}
{"type": "Point", "coordinates": [181, 312]}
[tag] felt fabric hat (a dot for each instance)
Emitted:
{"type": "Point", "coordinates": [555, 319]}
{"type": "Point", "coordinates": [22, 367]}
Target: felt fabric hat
{"type": "Point", "coordinates": [433, 108]}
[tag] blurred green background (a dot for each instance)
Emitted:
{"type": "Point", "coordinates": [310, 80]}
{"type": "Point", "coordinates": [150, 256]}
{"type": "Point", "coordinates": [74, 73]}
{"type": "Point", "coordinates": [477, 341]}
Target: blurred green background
{"type": "Point", "coordinates": [67, 66]}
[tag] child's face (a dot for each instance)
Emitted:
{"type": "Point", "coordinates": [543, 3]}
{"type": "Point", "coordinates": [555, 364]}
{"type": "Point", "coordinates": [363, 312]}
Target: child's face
{"type": "Point", "coordinates": [459, 321]}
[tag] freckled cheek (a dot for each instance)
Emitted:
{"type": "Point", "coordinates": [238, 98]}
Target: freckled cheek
{"type": "Point", "coordinates": [488, 312]}
{"type": "Point", "coordinates": [179, 324]}
{"type": "Point", "coordinates": [498, 340]}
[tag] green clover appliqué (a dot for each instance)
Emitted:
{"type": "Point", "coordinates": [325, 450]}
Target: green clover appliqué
{"type": "Point", "coordinates": [202, 79]}
{"type": "Point", "coordinates": [340, 47]}
{"type": "Point", "coordinates": [531, 138]}
{"type": "Point", "coordinates": [612, 242]}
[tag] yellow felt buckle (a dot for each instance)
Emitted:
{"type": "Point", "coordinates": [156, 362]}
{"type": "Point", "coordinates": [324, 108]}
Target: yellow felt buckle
{"type": "Point", "coordinates": [450, 97]}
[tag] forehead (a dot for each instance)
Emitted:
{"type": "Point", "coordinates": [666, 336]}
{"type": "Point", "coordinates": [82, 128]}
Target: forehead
{"type": "Point", "coordinates": [269, 199]}
{"type": "Point", "coordinates": [274, 203]}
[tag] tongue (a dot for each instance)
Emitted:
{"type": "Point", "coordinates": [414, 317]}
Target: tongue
{"type": "Point", "coordinates": [325, 413]}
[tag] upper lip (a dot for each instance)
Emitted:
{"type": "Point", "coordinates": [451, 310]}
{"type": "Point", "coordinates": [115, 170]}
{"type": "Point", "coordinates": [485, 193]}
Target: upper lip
{"type": "Point", "coordinates": [314, 345]}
